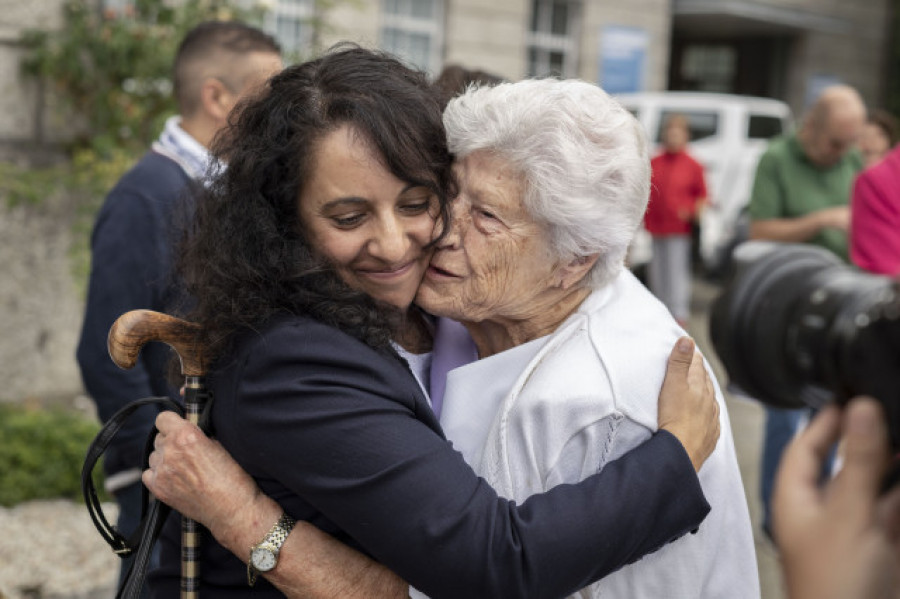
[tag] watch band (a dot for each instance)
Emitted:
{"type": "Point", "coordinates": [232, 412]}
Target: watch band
{"type": "Point", "coordinates": [272, 542]}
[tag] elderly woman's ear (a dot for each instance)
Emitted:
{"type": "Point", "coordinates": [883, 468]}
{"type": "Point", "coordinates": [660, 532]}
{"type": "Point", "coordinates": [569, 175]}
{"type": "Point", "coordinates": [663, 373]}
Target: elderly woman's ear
{"type": "Point", "coordinates": [575, 271]}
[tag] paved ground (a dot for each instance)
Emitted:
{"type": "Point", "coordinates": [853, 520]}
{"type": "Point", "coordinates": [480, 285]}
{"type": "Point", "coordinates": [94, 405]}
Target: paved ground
{"type": "Point", "coordinates": [50, 550]}
{"type": "Point", "coordinates": [747, 425]}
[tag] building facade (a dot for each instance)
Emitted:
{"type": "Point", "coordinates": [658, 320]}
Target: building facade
{"type": "Point", "coordinates": [784, 49]}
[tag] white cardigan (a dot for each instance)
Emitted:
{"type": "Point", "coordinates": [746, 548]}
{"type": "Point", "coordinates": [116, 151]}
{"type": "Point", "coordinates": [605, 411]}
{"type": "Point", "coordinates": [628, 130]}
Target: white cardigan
{"type": "Point", "coordinates": [583, 396]}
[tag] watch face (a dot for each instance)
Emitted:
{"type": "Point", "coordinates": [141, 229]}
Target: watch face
{"type": "Point", "coordinates": [263, 559]}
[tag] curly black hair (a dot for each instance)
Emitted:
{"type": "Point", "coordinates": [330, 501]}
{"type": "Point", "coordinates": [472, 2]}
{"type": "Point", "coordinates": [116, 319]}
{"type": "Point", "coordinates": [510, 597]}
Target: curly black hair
{"type": "Point", "coordinates": [245, 259]}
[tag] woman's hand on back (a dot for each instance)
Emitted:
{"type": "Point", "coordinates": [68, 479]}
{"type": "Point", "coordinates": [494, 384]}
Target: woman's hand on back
{"type": "Point", "coordinates": [687, 403]}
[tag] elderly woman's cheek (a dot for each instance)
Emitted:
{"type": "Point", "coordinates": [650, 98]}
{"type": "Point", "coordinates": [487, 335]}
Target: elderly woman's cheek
{"type": "Point", "coordinates": [497, 280]}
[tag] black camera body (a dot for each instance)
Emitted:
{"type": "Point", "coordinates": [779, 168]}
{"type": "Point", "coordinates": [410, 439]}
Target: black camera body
{"type": "Point", "coordinates": [794, 326]}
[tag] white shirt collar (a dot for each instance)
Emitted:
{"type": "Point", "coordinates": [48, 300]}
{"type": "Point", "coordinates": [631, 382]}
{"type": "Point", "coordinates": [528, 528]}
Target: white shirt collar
{"type": "Point", "coordinates": [178, 145]}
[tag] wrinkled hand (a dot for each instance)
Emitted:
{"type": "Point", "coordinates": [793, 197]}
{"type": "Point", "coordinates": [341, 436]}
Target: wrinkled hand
{"type": "Point", "coordinates": [687, 403]}
{"type": "Point", "coordinates": [843, 539]}
{"type": "Point", "coordinates": [195, 475]}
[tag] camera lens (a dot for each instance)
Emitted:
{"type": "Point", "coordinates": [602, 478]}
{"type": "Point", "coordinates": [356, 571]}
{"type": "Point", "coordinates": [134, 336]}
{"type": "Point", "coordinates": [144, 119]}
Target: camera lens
{"type": "Point", "coordinates": [749, 321]}
{"type": "Point", "coordinates": [795, 326]}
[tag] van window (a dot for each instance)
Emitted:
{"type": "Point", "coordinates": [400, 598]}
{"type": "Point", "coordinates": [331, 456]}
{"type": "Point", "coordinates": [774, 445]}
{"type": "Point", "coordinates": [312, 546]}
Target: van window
{"type": "Point", "coordinates": [702, 123]}
{"type": "Point", "coordinates": [764, 126]}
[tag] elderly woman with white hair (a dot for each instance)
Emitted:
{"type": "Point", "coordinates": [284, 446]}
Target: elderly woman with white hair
{"type": "Point", "coordinates": [569, 341]}
{"type": "Point", "coordinates": [570, 356]}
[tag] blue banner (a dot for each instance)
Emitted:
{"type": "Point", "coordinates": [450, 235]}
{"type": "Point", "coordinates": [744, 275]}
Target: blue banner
{"type": "Point", "coordinates": [623, 59]}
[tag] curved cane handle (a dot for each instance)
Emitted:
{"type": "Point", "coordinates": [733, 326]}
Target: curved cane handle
{"type": "Point", "coordinates": [134, 329]}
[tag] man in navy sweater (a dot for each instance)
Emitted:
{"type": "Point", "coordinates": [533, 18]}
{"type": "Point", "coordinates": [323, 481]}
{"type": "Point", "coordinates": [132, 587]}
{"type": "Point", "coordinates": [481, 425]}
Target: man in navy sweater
{"type": "Point", "coordinates": [217, 64]}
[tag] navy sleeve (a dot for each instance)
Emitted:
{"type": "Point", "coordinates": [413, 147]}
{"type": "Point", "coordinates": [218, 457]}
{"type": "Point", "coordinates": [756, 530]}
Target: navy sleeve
{"type": "Point", "coordinates": [325, 417]}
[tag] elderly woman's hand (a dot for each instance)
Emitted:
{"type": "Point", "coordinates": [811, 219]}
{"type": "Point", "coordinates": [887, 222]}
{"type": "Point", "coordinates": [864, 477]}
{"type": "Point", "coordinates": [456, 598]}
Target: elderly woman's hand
{"type": "Point", "coordinates": [841, 539]}
{"type": "Point", "coordinates": [687, 403]}
{"type": "Point", "coordinates": [196, 476]}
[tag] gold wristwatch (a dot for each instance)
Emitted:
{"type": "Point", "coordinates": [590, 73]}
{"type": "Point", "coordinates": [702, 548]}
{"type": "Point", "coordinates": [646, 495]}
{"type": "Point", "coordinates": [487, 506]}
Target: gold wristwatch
{"type": "Point", "coordinates": [264, 555]}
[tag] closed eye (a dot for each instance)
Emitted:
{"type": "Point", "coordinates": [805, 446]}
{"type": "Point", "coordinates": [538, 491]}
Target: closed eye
{"type": "Point", "coordinates": [416, 200]}
{"type": "Point", "coordinates": [348, 222]}
{"type": "Point", "coordinates": [417, 207]}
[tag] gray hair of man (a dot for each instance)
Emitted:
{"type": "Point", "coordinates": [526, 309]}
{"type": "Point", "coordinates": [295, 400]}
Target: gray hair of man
{"type": "Point", "coordinates": [583, 158]}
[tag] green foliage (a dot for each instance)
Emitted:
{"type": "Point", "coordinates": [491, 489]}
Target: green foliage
{"type": "Point", "coordinates": [42, 452]}
{"type": "Point", "coordinates": [113, 71]}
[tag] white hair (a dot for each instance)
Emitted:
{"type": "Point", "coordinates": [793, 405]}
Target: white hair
{"type": "Point", "coordinates": [583, 158]}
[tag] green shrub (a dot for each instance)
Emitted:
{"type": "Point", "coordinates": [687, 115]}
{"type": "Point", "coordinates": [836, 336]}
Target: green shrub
{"type": "Point", "coordinates": [42, 452]}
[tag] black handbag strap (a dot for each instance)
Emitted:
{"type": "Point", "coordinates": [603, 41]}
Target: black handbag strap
{"type": "Point", "coordinates": [153, 512]}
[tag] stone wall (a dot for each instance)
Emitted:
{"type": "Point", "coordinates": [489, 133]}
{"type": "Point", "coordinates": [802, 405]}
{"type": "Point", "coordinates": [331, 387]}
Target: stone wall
{"type": "Point", "coordinates": [40, 302]}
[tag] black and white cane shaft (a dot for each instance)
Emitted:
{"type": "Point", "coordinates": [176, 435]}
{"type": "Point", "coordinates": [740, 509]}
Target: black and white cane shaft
{"type": "Point", "coordinates": [194, 400]}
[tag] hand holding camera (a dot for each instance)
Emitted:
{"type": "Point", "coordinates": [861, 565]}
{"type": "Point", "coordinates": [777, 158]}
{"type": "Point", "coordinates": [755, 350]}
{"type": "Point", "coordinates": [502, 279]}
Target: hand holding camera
{"type": "Point", "coordinates": [797, 327]}
{"type": "Point", "coordinates": [841, 539]}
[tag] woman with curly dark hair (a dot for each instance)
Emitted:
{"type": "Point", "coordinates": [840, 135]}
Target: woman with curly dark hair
{"type": "Point", "coordinates": [304, 257]}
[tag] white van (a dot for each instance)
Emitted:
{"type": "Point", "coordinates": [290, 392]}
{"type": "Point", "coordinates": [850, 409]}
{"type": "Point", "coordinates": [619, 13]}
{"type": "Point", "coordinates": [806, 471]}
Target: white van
{"type": "Point", "coordinates": [728, 134]}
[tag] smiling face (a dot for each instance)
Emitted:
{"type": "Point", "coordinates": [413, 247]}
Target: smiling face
{"type": "Point", "coordinates": [495, 263]}
{"type": "Point", "coordinates": [373, 227]}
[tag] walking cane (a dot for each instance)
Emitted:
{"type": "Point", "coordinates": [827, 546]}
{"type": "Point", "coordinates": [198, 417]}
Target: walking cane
{"type": "Point", "coordinates": [127, 336]}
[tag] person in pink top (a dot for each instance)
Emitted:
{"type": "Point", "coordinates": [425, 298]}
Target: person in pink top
{"type": "Point", "coordinates": [677, 194]}
{"type": "Point", "coordinates": [875, 220]}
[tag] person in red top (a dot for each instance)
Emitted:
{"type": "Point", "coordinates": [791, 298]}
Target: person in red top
{"type": "Point", "coordinates": [677, 194]}
{"type": "Point", "coordinates": [875, 217]}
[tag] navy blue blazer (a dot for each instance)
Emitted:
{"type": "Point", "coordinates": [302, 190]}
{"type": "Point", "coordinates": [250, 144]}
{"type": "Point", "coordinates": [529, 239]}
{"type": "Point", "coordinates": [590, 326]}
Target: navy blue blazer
{"type": "Point", "coordinates": [342, 436]}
